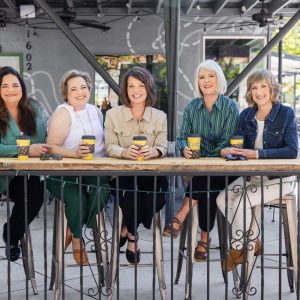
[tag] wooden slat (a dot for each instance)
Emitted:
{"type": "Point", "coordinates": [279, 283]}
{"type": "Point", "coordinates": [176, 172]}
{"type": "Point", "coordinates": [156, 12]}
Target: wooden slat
{"type": "Point", "coordinates": [156, 165]}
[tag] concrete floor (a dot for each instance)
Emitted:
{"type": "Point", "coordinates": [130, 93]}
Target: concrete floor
{"type": "Point", "coordinates": [217, 288]}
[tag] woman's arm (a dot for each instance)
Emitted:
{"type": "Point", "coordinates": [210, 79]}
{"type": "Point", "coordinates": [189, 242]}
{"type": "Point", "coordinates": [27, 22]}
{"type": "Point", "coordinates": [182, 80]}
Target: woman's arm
{"type": "Point", "coordinates": [58, 130]}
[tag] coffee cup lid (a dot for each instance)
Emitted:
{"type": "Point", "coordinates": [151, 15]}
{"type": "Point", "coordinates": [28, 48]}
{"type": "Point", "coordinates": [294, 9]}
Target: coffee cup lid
{"type": "Point", "coordinates": [237, 137]}
{"type": "Point", "coordinates": [139, 138]}
{"type": "Point", "coordinates": [194, 135]}
{"type": "Point", "coordinates": [22, 137]}
{"type": "Point", "coordinates": [88, 137]}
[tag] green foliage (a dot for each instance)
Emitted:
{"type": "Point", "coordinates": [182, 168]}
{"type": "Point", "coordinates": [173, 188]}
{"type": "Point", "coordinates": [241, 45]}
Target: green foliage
{"type": "Point", "coordinates": [291, 41]}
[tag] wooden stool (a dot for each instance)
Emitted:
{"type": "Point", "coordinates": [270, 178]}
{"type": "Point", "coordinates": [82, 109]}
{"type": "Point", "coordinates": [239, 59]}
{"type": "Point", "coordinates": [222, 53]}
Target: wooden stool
{"type": "Point", "coordinates": [242, 284]}
{"type": "Point", "coordinates": [159, 259]}
{"type": "Point", "coordinates": [59, 235]}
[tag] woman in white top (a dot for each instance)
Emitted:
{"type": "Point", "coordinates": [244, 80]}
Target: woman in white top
{"type": "Point", "coordinates": [269, 129]}
{"type": "Point", "coordinates": [70, 121]}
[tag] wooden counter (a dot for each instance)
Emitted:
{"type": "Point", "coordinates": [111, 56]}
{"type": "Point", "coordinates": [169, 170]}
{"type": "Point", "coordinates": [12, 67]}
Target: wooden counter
{"type": "Point", "coordinates": [164, 165]}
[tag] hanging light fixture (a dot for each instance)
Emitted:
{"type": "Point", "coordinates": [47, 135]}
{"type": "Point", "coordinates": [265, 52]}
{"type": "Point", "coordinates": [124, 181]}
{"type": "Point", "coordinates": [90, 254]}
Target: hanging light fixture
{"type": "Point", "coordinates": [198, 7]}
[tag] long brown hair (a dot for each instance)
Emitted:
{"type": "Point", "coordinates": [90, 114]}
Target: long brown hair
{"type": "Point", "coordinates": [26, 115]}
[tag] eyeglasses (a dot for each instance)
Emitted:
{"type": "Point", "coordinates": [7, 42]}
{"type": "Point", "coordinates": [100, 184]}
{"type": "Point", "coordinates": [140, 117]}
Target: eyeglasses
{"type": "Point", "coordinates": [47, 156]}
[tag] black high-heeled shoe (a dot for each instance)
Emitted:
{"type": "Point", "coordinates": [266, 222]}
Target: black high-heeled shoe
{"type": "Point", "coordinates": [123, 240]}
{"type": "Point", "coordinates": [133, 257]}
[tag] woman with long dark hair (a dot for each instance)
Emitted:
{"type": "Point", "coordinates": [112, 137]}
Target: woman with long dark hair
{"type": "Point", "coordinates": [20, 115]}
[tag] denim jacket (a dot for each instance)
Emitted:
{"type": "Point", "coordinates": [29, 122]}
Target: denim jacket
{"type": "Point", "coordinates": [280, 138]}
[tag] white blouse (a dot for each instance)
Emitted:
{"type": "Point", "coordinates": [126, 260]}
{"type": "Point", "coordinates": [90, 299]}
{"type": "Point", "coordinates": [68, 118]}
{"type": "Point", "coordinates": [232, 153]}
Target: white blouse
{"type": "Point", "coordinates": [84, 122]}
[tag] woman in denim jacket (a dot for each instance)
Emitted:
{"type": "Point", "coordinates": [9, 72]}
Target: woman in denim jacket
{"type": "Point", "coordinates": [269, 129]}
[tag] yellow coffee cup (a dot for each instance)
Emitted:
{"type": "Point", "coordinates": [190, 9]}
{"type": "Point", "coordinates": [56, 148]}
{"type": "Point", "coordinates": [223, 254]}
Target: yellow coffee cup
{"type": "Point", "coordinates": [89, 140]}
{"type": "Point", "coordinates": [194, 142]}
{"type": "Point", "coordinates": [23, 143]}
{"type": "Point", "coordinates": [237, 141]}
{"type": "Point", "coordinates": [139, 141]}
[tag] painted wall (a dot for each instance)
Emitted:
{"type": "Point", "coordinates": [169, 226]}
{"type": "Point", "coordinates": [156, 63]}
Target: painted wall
{"type": "Point", "coordinates": [53, 54]}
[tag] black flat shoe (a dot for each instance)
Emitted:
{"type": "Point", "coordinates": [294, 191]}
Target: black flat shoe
{"type": "Point", "coordinates": [123, 240]}
{"type": "Point", "coordinates": [130, 255]}
{"type": "Point", "coordinates": [13, 252]}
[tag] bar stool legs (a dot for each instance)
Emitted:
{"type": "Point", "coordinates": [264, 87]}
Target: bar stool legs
{"type": "Point", "coordinates": [28, 262]}
{"type": "Point", "coordinates": [59, 234]}
{"type": "Point", "coordinates": [159, 260]}
{"type": "Point", "coordinates": [101, 248]}
{"type": "Point", "coordinates": [190, 253]}
{"type": "Point", "coordinates": [290, 232]}
{"type": "Point", "coordinates": [159, 257]}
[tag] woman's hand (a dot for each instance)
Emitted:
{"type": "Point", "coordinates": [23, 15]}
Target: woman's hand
{"type": "Point", "coordinates": [228, 151]}
{"type": "Point", "coordinates": [248, 153]}
{"type": "Point", "coordinates": [149, 152]}
{"type": "Point", "coordinates": [187, 152]}
{"type": "Point", "coordinates": [36, 150]}
{"type": "Point", "coordinates": [131, 153]}
{"type": "Point", "coordinates": [83, 150]}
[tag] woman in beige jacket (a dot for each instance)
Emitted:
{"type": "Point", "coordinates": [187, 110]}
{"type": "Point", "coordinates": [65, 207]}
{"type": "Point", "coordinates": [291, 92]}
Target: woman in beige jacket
{"type": "Point", "coordinates": [137, 117]}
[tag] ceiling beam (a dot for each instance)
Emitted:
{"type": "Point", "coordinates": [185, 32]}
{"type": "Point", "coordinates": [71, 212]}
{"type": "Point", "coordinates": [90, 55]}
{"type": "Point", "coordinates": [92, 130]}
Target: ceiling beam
{"type": "Point", "coordinates": [219, 5]}
{"type": "Point", "coordinates": [268, 48]}
{"type": "Point", "coordinates": [189, 5]}
{"type": "Point", "coordinates": [13, 9]}
{"type": "Point", "coordinates": [248, 5]}
{"type": "Point", "coordinates": [278, 5]}
{"type": "Point", "coordinates": [90, 57]}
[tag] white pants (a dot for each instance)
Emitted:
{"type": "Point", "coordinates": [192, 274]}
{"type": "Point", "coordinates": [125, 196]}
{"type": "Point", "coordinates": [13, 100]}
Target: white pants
{"type": "Point", "coordinates": [238, 197]}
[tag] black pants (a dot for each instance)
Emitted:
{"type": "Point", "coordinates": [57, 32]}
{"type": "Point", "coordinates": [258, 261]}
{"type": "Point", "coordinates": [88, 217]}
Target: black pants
{"type": "Point", "coordinates": [34, 202]}
{"type": "Point", "coordinates": [205, 194]}
{"type": "Point", "coordinates": [145, 199]}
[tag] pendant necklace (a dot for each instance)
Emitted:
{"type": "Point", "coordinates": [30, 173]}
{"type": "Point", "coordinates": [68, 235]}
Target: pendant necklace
{"type": "Point", "coordinates": [82, 124]}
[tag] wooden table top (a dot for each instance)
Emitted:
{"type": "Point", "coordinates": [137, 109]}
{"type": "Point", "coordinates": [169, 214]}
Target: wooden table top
{"type": "Point", "coordinates": [174, 164]}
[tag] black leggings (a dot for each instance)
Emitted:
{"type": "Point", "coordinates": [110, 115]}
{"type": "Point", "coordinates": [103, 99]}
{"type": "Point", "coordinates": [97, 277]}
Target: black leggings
{"type": "Point", "coordinates": [200, 192]}
{"type": "Point", "coordinates": [35, 194]}
{"type": "Point", "coordinates": [144, 199]}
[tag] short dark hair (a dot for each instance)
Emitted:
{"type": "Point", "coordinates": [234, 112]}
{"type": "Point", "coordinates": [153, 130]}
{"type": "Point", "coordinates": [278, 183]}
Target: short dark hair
{"type": "Point", "coordinates": [146, 78]}
{"type": "Point", "coordinates": [26, 115]}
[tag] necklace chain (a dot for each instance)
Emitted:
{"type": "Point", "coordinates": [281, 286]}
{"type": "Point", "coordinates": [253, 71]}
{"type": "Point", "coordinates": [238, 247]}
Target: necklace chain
{"type": "Point", "coordinates": [82, 124]}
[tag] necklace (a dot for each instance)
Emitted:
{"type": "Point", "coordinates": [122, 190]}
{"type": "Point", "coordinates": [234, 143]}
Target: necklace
{"type": "Point", "coordinates": [83, 123]}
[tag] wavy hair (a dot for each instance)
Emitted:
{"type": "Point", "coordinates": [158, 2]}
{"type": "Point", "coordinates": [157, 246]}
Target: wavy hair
{"type": "Point", "coordinates": [72, 74]}
{"type": "Point", "coordinates": [269, 78]}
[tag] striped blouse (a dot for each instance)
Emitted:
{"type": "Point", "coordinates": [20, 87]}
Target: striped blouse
{"type": "Point", "coordinates": [215, 128]}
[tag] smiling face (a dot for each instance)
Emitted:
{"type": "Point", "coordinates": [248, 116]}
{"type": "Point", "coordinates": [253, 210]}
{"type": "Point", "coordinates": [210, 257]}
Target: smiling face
{"type": "Point", "coordinates": [261, 93]}
{"type": "Point", "coordinates": [78, 93]}
{"type": "Point", "coordinates": [208, 82]}
{"type": "Point", "coordinates": [136, 91]}
{"type": "Point", "coordinates": [11, 90]}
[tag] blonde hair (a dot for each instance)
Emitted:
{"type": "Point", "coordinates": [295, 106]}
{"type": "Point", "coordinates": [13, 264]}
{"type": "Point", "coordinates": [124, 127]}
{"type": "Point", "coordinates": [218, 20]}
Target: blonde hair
{"type": "Point", "coordinates": [269, 78]}
{"type": "Point", "coordinates": [211, 65]}
{"type": "Point", "coordinates": [72, 74]}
